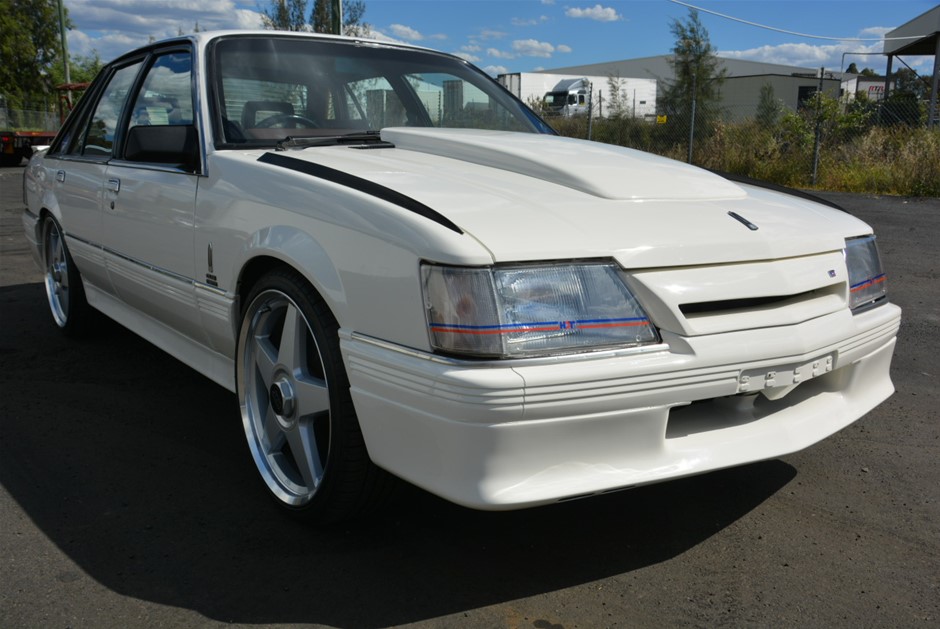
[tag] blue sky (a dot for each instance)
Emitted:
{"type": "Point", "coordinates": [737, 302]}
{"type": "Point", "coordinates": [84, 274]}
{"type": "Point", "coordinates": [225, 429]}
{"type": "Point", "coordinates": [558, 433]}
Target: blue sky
{"type": "Point", "coordinates": [526, 35]}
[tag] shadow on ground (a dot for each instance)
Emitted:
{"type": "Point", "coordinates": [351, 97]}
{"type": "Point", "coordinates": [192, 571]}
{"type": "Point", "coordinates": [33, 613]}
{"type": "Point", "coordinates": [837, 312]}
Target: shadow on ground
{"type": "Point", "coordinates": [135, 467]}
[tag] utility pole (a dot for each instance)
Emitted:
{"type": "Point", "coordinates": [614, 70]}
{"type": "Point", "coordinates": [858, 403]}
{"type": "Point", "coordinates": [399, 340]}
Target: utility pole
{"type": "Point", "coordinates": [692, 125]}
{"type": "Point", "coordinates": [336, 15]}
{"type": "Point", "coordinates": [65, 43]}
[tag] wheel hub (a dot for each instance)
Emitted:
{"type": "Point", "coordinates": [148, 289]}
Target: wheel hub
{"type": "Point", "coordinates": [282, 398]}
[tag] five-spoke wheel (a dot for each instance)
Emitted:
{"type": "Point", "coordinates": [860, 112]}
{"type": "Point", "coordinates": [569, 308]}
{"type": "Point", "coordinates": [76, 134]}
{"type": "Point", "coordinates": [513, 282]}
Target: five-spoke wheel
{"type": "Point", "coordinates": [64, 289]}
{"type": "Point", "coordinates": [295, 403]}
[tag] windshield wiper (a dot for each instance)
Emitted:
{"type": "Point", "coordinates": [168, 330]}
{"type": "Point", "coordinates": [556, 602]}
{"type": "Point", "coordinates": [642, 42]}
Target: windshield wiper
{"type": "Point", "coordinates": [371, 138]}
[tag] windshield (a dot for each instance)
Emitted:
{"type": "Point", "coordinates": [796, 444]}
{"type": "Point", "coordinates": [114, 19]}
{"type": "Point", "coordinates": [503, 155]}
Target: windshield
{"type": "Point", "coordinates": [269, 88]}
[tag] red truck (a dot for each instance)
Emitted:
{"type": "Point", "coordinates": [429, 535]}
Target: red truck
{"type": "Point", "coordinates": [17, 144]}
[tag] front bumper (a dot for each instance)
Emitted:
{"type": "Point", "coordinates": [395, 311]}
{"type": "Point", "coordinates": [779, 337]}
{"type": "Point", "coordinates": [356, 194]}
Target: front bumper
{"type": "Point", "coordinates": [504, 435]}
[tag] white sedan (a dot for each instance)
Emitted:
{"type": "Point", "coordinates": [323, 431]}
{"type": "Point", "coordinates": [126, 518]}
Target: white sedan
{"type": "Point", "coordinates": [400, 270]}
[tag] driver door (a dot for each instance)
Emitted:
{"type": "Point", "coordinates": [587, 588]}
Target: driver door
{"type": "Point", "coordinates": [149, 206]}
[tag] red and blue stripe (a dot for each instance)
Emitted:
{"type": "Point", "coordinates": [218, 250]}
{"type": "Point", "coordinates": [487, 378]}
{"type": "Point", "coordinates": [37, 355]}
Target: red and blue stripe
{"type": "Point", "coordinates": [539, 326]}
{"type": "Point", "coordinates": [871, 281]}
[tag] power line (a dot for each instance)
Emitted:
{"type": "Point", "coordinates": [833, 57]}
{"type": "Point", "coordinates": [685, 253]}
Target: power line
{"type": "Point", "coordinates": [781, 30]}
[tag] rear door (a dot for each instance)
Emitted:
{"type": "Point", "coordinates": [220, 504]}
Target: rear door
{"type": "Point", "coordinates": [77, 169]}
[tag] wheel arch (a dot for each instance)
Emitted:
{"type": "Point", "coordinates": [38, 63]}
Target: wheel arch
{"type": "Point", "coordinates": [45, 212]}
{"type": "Point", "coordinates": [286, 247]}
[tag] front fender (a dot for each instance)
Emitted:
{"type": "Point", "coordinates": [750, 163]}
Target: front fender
{"type": "Point", "coordinates": [300, 251]}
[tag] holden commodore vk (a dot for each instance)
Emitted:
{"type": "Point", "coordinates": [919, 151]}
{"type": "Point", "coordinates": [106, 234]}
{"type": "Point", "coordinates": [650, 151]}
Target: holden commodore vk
{"type": "Point", "coordinates": [400, 270]}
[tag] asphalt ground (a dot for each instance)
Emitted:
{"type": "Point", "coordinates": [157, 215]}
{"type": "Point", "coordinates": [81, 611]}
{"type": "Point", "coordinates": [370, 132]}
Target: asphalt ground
{"type": "Point", "coordinates": [127, 499]}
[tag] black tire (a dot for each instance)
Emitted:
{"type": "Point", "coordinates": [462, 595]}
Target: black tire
{"type": "Point", "coordinates": [296, 408]}
{"type": "Point", "coordinates": [64, 289]}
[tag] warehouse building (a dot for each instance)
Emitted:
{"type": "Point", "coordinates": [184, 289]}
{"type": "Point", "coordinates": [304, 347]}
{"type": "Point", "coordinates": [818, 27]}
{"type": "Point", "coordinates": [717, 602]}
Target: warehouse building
{"type": "Point", "coordinates": [740, 91]}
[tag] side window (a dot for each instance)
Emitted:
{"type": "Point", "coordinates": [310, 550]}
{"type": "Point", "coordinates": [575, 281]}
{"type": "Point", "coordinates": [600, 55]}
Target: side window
{"type": "Point", "coordinates": [99, 136]}
{"type": "Point", "coordinates": [166, 96]}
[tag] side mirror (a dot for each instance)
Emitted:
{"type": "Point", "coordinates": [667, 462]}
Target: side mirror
{"type": "Point", "coordinates": [170, 145]}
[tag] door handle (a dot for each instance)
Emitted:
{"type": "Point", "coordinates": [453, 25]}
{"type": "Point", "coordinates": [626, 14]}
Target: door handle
{"type": "Point", "coordinates": [60, 176]}
{"type": "Point", "coordinates": [114, 185]}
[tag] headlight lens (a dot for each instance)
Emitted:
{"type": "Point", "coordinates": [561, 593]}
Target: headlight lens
{"type": "Point", "coordinates": [867, 281]}
{"type": "Point", "coordinates": [523, 311]}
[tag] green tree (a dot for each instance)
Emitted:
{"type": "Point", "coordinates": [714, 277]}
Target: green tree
{"type": "Point", "coordinates": [286, 15]}
{"type": "Point", "coordinates": [29, 46]}
{"type": "Point", "coordinates": [82, 69]}
{"type": "Point", "coordinates": [769, 107]}
{"type": "Point", "coordinates": [907, 81]}
{"type": "Point", "coordinates": [321, 18]}
{"type": "Point", "coordinates": [868, 72]}
{"type": "Point", "coordinates": [291, 15]}
{"type": "Point", "coordinates": [616, 99]}
{"type": "Point", "coordinates": [697, 77]}
{"type": "Point", "coordinates": [852, 69]}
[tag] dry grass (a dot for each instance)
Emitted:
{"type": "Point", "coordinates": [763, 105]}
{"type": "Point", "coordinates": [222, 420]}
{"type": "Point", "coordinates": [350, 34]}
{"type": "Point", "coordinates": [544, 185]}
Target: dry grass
{"type": "Point", "coordinates": [899, 160]}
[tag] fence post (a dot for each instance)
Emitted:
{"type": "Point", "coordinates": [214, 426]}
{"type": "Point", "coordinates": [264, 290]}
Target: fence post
{"type": "Point", "coordinates": [818, 124]}
{"type": "Point", "coordinates": [590, 110]}
{"type": "Point", "coordinates": [933, 115]}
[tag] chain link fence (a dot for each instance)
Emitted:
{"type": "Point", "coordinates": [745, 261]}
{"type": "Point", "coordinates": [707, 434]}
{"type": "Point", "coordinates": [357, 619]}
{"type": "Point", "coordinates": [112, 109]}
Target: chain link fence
{"type": "Point", "coordinates": [28, 120]}
{"type": "Point", "coordinates": [861, 146]}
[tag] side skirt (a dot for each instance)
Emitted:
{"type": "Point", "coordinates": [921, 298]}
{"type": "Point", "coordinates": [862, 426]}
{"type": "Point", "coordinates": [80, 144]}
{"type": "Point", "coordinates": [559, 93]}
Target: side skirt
{"type": "Point", "coordinates": [213, 365]}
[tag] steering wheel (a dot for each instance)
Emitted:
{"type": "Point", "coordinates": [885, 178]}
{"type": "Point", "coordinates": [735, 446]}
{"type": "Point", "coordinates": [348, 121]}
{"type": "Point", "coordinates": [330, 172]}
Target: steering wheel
{"type": "Point", "coordinates": [287, 121]}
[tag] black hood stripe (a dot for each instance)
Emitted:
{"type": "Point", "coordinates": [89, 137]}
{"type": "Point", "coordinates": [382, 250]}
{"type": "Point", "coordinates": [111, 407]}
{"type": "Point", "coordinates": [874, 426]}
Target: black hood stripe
{"type": "Point", "coordinates": [357, 183]}
{"type": "Point", "coordinates": [793, 192]}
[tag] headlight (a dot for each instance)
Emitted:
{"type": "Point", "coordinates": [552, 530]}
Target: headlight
{"type": "Point", "coordinates": [522, 311]}
{"type": "Point", "coordinates": [867, 281]}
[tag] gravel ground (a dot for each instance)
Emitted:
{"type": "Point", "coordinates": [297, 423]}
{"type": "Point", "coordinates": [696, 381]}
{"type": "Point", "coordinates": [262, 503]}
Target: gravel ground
{"type": "Point", "coordinates": [127, 499]}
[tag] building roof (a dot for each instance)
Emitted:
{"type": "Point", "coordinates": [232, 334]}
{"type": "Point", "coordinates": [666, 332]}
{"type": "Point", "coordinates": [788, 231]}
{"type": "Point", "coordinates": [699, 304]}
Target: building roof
{"type": "Point", "coordinates": [925, 26]}
{"type": "Point", "coordinates": [659, 68]}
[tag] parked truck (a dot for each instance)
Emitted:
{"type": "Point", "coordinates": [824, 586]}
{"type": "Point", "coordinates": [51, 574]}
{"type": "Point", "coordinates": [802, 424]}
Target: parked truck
{"type": "Point", "coordinates": [20, 131]}
{"type": "Point", "coordinates": [17, 143]}
{"type": "Point", "coordinates": [567, 95]}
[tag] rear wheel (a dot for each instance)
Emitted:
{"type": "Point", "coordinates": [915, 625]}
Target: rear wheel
{"type": "Point", "coordinates": [296, 407]}
{"type": "Point", "coordinates": [64, 289]}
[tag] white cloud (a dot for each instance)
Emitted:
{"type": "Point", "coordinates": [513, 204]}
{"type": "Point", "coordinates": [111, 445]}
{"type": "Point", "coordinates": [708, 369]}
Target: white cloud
{"type": "Point", "coordinates": [405, 32]}
{"type": "Point", "coordinates": [466, 56]}
{"type": "Point", "coordinates": [875, 31]}
{"type": "Point", "coordinates": [532, 48]}
{"type": "Point", "coordinates": [112, 27]}
{"type": "Point", "coordinates": [471, 48]}
{"type": "Point", "coordinates": [518, 21]}
{"type": "Point", "coordinates": [488, 33]}
{"type": "Point", "coordinates": [563, 48]}
{"type": "Point", "coordinates": [811, 56]}
{"type": "Point", "coordinates": [597, 12]}
{"type": "Point", "coordinates": [499, 54]}
{"type": "Point", "coordinates": [496, 70]}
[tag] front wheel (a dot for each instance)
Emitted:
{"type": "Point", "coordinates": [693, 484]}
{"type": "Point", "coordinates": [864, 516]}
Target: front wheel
{"type": "Point", "coordinates": [64, 289]}
{"type": "Point", "coordinates": [296, 407]}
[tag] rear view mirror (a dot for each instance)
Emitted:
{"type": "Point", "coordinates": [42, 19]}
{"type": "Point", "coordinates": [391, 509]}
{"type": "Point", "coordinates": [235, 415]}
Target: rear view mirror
{"type": "Point", "coordinates": [171, 145]}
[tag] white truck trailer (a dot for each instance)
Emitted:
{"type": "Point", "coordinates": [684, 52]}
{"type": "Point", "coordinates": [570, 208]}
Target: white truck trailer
{"type": "Point", "coordinates": [568, 95]}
